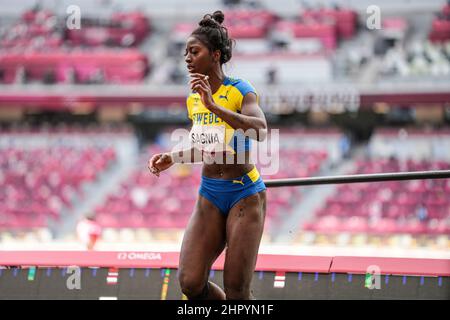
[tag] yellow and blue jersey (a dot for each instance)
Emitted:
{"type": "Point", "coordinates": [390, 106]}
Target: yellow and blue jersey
{"type": "Point", "coordinates": [209, 131]}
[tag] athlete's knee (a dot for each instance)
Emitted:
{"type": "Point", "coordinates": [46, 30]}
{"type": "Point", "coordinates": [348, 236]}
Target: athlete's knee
{"type": "Point", "coordinates": [237, 292]}
{"type": "Point", "coordinates": [192, 287]}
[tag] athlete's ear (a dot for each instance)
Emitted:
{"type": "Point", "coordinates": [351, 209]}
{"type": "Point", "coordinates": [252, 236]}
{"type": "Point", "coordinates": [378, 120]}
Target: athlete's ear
{"type": "Point", "coordinates": [216, 56]}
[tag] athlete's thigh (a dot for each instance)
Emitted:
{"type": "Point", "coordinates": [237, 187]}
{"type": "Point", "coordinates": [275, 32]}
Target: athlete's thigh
{"type": "Point", "coordinates": [245, 226]}
{"type": "Point", "coordinates": [203, 241]}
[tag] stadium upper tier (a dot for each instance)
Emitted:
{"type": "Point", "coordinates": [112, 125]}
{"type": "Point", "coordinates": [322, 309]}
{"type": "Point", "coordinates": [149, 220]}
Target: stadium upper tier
{"type": "Point", "coordinates": [37, 47]}
{"type": "Point", "coordinates": [310, 44]}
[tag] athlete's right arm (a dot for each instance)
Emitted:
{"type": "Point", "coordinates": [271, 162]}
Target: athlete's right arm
{"type": "Point", "coordinates": [191, 155]}
{"type": "Point", "coordinates": [163, 161]}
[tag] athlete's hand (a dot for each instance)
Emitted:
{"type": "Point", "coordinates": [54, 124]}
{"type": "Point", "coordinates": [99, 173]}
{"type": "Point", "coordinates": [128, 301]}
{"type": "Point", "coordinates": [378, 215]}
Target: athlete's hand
{"type": "Point", "coordinates": [160, 162]}
{"type": "Point", "coordinates": [199, 83]}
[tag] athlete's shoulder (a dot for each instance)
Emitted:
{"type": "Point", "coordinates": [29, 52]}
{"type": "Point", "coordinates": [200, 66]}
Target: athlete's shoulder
{"type": "Point", "coordinates": [243, 85]}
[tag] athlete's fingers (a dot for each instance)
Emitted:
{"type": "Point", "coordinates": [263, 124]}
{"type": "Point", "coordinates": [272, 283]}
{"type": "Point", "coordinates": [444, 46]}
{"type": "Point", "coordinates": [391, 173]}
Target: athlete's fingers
{"type": "Point", "coordinates": [195, 82]}
{"type": "Point", "coordinates": [199, 75]}
{"type": "Point", "coordinates": [198, 81]}
{"type": "Point", "coordinates": [202, 86]}
{"type": "Point", "coordinates": [154, 159]}
{"type": "Point", "coordinates": [154, 170]}
{"type": "Point", "coordinates": [164, 158]}
{"type": "Point", "coordinates": [151, 162]}
{"type": "Point", "coordinates": [206, 88]}
{"type": "Point", "coordinates": [151, 165]}
{"type": "Point", "coordinates": [196, 74]}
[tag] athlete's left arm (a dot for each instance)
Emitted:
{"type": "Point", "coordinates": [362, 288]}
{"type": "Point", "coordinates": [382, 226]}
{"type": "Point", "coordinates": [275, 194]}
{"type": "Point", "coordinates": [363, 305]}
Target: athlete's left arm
{"type": "Point", "coordinates": [251, 117]}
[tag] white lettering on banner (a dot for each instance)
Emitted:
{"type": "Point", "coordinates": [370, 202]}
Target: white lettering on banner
{"type": "Point", "coordinates": [122, 256]}
{"type": "Point", "coordinates": [337, 99]}
{"type": "Point", "coordinates": [139, 256]}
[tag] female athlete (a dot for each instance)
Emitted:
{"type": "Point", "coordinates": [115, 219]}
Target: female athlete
{"type": "Point", "coordinates": [231, 204]}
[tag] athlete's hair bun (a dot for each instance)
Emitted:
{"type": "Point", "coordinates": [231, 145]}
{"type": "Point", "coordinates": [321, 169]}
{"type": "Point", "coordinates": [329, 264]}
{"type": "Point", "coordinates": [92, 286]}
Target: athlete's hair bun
{"type": "Point", "coordinates": [212, 20]}
{"type": "Point", "coordinates": [208, 22]}
{"type": "Point", "coordinates": [218, 16]}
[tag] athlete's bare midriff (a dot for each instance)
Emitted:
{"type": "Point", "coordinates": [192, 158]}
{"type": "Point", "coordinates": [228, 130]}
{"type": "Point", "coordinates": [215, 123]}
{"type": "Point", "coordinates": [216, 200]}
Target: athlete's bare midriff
{"type": "Point", "coordinates": [230, 168]}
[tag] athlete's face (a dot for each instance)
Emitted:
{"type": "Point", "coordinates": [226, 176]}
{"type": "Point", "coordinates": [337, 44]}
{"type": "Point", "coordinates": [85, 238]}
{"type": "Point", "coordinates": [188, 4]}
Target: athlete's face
{"type": "Point", "coordinates": [198, 57]}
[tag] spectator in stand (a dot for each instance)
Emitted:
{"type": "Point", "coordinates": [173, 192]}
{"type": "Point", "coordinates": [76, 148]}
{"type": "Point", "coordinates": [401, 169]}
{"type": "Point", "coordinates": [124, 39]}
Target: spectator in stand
{"type": "Point", "coordinates": [89, 231]}
{"type": "Point", "coordinates": [422, 212]}
{"type": "Point", "coordinates": [345, 146]}
{"type": "Point", "coordinates": [272, 75]}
